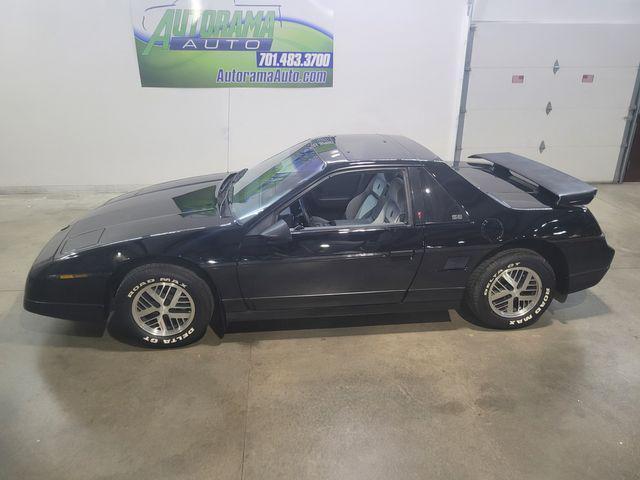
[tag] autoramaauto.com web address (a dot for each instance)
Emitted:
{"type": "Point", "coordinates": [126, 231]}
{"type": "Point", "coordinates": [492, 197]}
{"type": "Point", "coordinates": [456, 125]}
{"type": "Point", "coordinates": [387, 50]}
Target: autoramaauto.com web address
{"type": "Point", "coordinates": [275, 76]}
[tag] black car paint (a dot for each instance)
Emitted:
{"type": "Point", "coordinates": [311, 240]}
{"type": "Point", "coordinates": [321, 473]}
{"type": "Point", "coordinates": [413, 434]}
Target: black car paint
{"type": "Point", "coordinates": [322, 270]}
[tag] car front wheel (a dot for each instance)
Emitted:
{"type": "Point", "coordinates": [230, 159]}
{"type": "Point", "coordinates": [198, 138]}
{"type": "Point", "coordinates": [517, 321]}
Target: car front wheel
{"type": "Point", "coordinates": [511, 290]}
{"type": "Point", "coordinates": [163, 305]}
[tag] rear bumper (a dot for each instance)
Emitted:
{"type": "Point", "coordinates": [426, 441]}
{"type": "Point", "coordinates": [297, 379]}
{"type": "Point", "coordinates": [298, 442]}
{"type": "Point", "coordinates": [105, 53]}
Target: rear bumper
{"type": "Point", "coordinates": [67, 311]}
{"type": "Point", "coordinates": [588, 263]}
{"type": "Point", "coordinates": [582, 281]}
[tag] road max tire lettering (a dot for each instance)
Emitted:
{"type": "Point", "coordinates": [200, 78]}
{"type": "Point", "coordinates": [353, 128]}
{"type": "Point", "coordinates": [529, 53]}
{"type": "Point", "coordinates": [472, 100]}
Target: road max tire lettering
{"type": "Point", "coordinates": [171, 280]}
{"type": "Point", "coordinates": [545, 299]}
{"type": "Point", "coordinates": [168, 341]}
{"type": "Point", "coordinates": [137, 287]}
{"type": "Point", "coordinates": [152, 280]}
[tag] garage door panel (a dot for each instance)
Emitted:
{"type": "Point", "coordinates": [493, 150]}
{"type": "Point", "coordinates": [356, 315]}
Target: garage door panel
{"type": "Point", "coordinates": [589, 94]}
{"type": "Point", "coordinates": [590, 164]}
{"type": "Point", "coordinates": [539, 45]}
{"type": "Point", "coordinates": [492, 88]}
{"type": "Point", "coordinates": [585, 127]}
{"type": "Point", "coordinates": [484, 129]}
{"type": "Point", "coordinates": [527, 128]}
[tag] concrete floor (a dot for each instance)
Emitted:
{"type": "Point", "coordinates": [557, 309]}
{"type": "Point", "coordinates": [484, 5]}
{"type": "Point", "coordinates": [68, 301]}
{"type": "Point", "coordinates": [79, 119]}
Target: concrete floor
{"type": "Point", "coordinates": [429, 396]}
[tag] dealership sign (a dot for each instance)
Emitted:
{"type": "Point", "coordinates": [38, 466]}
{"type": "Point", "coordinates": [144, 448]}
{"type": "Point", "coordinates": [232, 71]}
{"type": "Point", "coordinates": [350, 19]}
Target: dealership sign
{"type": "Point", "coordinates": [233, 43]}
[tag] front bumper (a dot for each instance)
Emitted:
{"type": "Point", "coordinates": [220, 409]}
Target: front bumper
{"type": "Point", "coordinates": [47, 294]}
{"type": "Point", "coordinates": [67, 311]}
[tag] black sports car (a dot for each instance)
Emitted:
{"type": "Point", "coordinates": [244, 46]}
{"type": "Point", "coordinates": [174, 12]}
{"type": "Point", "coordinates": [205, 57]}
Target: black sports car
{"type": "Point", "coordinates": [334, 225]}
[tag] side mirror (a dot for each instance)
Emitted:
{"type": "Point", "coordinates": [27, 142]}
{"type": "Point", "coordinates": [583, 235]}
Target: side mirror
{"type": "Point", "coordinates": [289, 218]}
{"type": "Point", "coordinates": [277, 233]}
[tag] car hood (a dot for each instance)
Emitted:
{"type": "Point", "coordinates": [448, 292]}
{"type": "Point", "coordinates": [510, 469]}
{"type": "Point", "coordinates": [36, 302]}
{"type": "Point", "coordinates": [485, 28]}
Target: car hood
{"type": "Point", "coordinates": [169, 207]}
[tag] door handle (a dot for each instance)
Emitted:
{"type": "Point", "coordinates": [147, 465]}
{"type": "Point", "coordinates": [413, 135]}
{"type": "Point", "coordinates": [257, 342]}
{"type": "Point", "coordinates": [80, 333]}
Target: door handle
{"type": "Point", "coordinates": [399, 254]}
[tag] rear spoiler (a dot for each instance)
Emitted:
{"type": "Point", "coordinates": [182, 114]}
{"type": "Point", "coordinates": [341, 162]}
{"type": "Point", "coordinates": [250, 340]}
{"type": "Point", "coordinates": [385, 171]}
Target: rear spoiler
{"type": "Point", "coordinates": [563, 189]}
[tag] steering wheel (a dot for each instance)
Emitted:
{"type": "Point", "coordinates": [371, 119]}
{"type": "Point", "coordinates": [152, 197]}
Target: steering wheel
{"type": "Point", "coordinates": [305, 214]}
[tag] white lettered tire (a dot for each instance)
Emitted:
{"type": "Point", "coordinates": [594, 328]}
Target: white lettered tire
{"type": "Point", "coordinates": [163, 305]}
{"type": "Point", "coordinates": [511, 289]}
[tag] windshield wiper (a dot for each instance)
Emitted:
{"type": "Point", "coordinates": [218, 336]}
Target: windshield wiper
{"type": "Point", "coordinates": [226, 189]}
{"type": "Point", "coordinates": [239, 174]}
{"type": "Point", "coordinates": [224, 185]}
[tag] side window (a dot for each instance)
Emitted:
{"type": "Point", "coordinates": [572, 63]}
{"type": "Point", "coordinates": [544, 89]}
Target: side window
{"type": "Point", "coordinates": [432, 203]}
{"type": "Point", "coordinates": [366, 197]}
{"type": "Point", "coordinates": [332, 195]}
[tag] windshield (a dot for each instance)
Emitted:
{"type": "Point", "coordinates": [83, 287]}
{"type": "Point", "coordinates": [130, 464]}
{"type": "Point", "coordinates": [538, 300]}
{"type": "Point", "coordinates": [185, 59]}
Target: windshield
{"type": "Point", "coordinates": [272, 179]}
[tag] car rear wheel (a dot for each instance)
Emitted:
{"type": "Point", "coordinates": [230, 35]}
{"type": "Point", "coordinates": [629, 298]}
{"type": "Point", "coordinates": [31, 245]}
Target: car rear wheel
{"type": "Point", "coordinates": [511, 290]}
{"type": "Point", "coordinates": [163, 305]}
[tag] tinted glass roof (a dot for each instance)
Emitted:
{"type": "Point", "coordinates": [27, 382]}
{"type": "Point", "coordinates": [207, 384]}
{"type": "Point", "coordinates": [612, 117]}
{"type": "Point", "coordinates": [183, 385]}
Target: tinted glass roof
{"type": "Point", "coordinates": [367, 147]}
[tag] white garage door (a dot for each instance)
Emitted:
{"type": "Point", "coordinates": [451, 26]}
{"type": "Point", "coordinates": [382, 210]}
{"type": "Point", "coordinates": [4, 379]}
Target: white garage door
{"type": "Point", "coordinates": [572, 119]}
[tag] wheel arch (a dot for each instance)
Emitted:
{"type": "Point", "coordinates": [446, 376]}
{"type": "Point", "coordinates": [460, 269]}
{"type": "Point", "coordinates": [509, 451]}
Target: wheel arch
{"type": "Point", "coordinates": [115, 279]}
{"type": "Point", "coordinates": [547, 250]}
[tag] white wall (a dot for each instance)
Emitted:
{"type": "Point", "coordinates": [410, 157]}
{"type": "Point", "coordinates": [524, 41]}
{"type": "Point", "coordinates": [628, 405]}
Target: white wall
{"type": "Point", "coordinates": [557, 11]}
{"type": "Point", "coordinates": [72, 111]}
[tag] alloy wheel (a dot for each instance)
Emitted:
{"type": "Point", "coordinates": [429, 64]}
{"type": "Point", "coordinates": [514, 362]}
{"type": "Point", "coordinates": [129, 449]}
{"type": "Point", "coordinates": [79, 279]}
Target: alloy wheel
{"type": "Point", "coordinates": [163, 309]}
{"type": "Point", "coordinates": [515, 292]}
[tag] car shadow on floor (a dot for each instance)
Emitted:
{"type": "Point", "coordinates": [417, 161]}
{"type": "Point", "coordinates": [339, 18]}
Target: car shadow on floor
{"type": "Point", "coordinates": [35, 329]}
{"type": "Point", "coordinates": [578, 306]}
{"type": "Point", "coordinates": [581, 305]}
{"type": "Point", "coordinates": [340, 326]}
{"type": "Point", "coordinates": [318, 327]}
